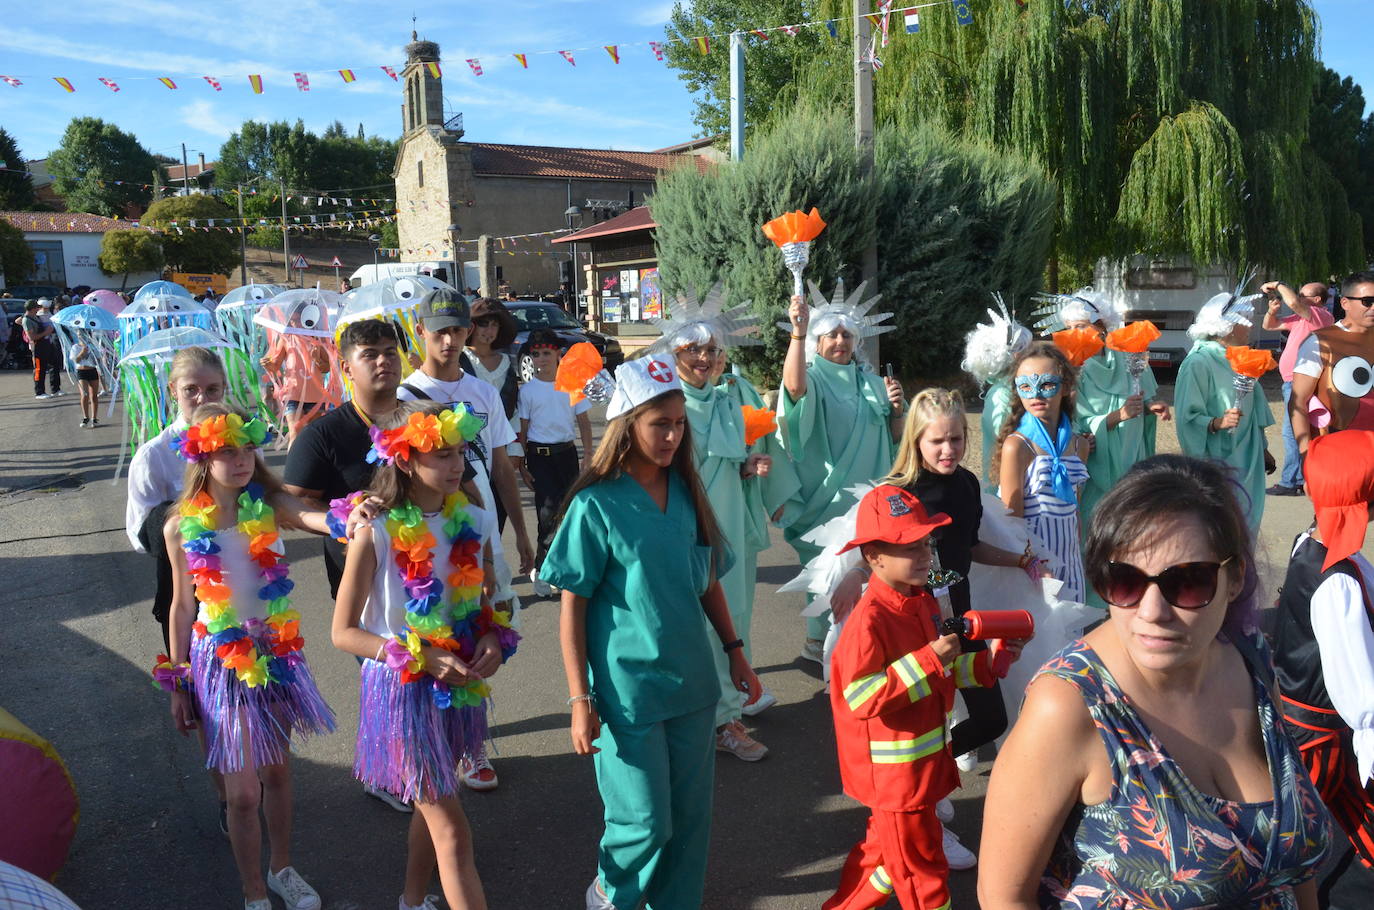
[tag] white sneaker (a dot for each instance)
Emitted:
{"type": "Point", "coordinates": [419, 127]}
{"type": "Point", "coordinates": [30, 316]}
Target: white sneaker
{"type": "Point", "coordinates": [58, 394]}
{"type": "Point", "coordinates": [956, 854]}
{"type": "Point", "coordinates": [596, 898]}
{"type": "Point", "coordinates": [968, 762]}
{"type": "Point", "coordinates": [43, 397]}
{"type": "Point", "coordinates": [293, 890]}
{"type": "Point", "coordinates": [733, 738]}
{"type": "Point", "coordinates": [384, 796]}
{"type": "Point", "coordinates": [813, 649]}
{"type": "Point", "coordinates": [765, 701]}
{"type": "Point", "coordinates": [944, 811]}
{"type": "Point", "coordinates": [431, 902]}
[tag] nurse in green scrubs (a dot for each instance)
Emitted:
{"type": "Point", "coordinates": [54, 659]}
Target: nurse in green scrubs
{"type": "Point", "coordinates": [638, 554]}
{"type": "Point", "coordinates": [1209, 423]}
{"type": "Point", "coordinates": [838, 421]}
{"type": "Point", "coordinates": [989, 350]}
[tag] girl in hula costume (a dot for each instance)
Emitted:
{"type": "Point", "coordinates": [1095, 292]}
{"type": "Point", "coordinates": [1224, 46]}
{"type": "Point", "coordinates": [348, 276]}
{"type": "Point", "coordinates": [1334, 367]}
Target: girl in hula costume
{"type": "Point", "coordinates": [638, 555]}
{"type": "Point", "coordinates": [236, 669]}
{"type": "Point", "coordinates": [412, 604]}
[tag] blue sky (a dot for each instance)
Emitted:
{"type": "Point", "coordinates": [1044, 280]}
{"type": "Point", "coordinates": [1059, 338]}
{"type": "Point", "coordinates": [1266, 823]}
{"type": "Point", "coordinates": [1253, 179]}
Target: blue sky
{"type": "Point", "coordinates": [637, 104]}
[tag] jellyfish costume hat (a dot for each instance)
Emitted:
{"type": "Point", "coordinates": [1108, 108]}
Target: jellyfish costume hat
{"type": "Point", "coordinates": [96, 330]}
{"type": "Point", "coordinates": [394, 300]}
{"type": "Point", "coordinates": [234, 321]}
{"type": "Point", "coordinates": [107, 300]}
{"type": "Point", "coordinates": [301, 365]}
{"type": "Point", "coordinates": [144, 372]}
{"type": "Point", "coordinates": [160, 305]}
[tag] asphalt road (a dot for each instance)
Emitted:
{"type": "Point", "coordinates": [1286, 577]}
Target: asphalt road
{"type": "Point", "coordinates": [80, 639]}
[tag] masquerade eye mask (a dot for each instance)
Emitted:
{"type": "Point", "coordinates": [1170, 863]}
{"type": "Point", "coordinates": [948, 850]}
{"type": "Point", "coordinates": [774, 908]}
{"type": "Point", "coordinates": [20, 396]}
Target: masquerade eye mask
{"type": "Point", "coordinates": [1038, 385]}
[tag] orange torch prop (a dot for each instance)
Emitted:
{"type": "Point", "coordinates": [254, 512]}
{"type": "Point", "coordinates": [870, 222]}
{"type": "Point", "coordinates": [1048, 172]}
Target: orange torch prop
{"type": "Point", "coordinates": [793, 233]}
{"type": "Point", "coordinates": [1249, 365]}
{"type": "Point", "coordinates": [1078, 345]}
{"type": "Point", "coordinates": [1134, 341]}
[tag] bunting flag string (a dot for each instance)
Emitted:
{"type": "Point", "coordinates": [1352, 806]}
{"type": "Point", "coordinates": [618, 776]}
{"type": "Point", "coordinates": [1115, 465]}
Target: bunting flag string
{"type": "Point", "coordinates": [702, 44]}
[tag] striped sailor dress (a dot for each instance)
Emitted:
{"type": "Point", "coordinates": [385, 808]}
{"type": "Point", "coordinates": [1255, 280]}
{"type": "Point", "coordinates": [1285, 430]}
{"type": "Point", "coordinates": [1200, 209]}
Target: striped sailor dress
{"type": "Point", "coordinates": [1053, 522]}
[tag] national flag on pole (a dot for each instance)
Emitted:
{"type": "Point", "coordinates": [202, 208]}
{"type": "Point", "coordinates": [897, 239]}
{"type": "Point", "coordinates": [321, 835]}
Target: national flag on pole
{"type": "Point", "coordinates": [832, 25]}
{"type": "Point", "coordinates": [434, 70]}
{"type": "Point", "coordinates": [885, 10]}
{"type": "Point", "coordinates": [568, 56]}
{"type": "Point", "coordinates": [302, 82]}
{"type": "Point", "coordinates": [703, 44]}
{"type": "Point", "coordinates": [476, 65]}
{"type": "Point", "coordinates": [962, 14]}
{"type": "Point", "coordinates": [614, 51]}
{"type": "Point", "coordinates": [65, 83]}
{"type": "Point", "coordinates": [390, 72]}
{"type": "Point", "coordinates": [10, 80]}
{"type": "Point", "coordinates": [874, 19]}
{"type": "Point", "coordinates": [108, 83]}
{"type": "Point", "coordinates": [256, 83]}
{"type": "Point", "coordinates": [348, 76]}
{"type": "Point", "coordinates": [523, 60]}
{"type": "Point", "coordinates": [214, 83]}
{"type": "Point", "coordinates": [167, 81]}
{"type": "Point", "coordinates": [657, 48]}
{"type": "Point", "coordinates": [761, 33]}
{"type": "Point", "coordinates": [791, 29]}
{"type": "Point", "coordinates": [912, 20]}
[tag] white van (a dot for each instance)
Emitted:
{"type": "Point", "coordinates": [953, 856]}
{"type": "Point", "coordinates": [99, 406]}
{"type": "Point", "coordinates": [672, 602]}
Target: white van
{"type": "Point", "coordinates": [441, 269]}
{"type": "Point", "coordinates": [1169, 292]}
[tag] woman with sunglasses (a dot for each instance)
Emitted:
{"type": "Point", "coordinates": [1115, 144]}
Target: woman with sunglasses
{"type": "Point", "coordinates": [1149, 766]}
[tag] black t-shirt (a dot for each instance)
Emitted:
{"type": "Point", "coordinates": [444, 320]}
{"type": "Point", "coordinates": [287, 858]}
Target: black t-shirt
{"type": "Point", "coordinates": [958, 496]}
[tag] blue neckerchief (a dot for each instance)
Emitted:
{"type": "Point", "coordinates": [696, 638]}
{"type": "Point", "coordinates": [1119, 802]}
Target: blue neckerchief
{"type": "Point", "coordinates": [1031, 428]}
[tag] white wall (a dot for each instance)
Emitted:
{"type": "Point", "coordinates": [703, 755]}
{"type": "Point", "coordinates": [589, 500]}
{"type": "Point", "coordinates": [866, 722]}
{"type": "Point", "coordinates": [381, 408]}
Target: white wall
{"type": "Point", "coordinates": [81, 255]}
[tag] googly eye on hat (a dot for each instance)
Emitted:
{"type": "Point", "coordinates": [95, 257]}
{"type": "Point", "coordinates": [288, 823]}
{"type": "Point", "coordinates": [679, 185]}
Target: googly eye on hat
{"type": "Point", "coordinates": [638, 381]}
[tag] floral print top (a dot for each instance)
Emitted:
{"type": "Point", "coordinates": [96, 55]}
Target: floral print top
{"type": "Point", "coordinates": [1158, 841]}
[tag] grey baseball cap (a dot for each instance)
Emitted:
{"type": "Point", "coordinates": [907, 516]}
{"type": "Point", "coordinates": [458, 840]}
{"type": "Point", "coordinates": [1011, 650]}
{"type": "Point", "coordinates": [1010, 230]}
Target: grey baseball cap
{"type": "Point", "coordinates": [444, 308]}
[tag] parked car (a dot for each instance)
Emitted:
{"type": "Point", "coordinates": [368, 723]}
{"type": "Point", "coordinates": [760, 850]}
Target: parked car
{"type": "Point", "coordinates": [531, 315]}
{"type": "Point", "coordinates": [35, 291]}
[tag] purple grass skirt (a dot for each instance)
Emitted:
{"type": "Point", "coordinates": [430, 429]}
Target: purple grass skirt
{"type": "Point", "coordinates": [255, 723]}
{"type": "Point", "coordinates": [407, 745]}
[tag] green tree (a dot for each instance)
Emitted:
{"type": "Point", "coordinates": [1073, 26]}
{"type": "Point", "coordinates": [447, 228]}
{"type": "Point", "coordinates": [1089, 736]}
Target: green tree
{"type": "Point", "coordinates": [1171, 126]}
{"type": "Point", "coordinates": [122, 252]}
{"type": "Point", "coordinates": [92, 157]}
{"type": "Point", "coordinates": [1338, 130]}
{"type": "Point", "coordinates": [16, 258]}
{"type": "Point", "coordinates": [16, 188]}
{"type": "Point", "coordinates": [187, 249]}
{"type": "Point", "coordinates": [953, 220]}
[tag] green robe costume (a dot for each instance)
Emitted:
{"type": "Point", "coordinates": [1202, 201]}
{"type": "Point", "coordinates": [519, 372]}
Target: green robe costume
{"type": "Point", "coordinates": [1206, 389]}
{"type": "Point", "coordinates": [996, 407]}
{"type": "Point", "coordinates": [837, 436]}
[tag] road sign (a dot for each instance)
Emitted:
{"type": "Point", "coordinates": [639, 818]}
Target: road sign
{"type": "Point", "coordinates": [299, 263]}
{"type": "Point", "coordinates": [336, 263]}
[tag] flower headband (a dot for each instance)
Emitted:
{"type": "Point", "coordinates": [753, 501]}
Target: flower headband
{"type": "Point", "coordinates": [424, 433]}
{"type": "Point", "coordinates": [197, 442]}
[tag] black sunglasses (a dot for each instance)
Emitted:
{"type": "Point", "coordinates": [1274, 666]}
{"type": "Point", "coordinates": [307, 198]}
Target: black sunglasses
{"type": "Point", "coordinates": [1188, 585]}
{"type": "Point", "coordinates": [1363, 301]}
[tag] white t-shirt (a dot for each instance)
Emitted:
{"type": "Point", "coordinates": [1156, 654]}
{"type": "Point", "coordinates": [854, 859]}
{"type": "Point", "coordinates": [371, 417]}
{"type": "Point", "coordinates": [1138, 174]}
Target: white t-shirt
{"type": "Point", "coordinates": [549, 411]}
{"type": "Point", "coordinates": [155, 476]}
{"type": "Point", "coordinates": [1310, 355]}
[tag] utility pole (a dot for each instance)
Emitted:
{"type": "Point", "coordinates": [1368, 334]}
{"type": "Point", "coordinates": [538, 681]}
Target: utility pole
{"type": "Point", "coordinates": [863, 118]}
{"type": "Point", "coordinates": [243, 242]}
{"type": "Point", "coordinates": [185, 173]}
{"type": "Point", "coordinates": [285, 241]}
{"type": "Point", "coordinates": [737, 96]}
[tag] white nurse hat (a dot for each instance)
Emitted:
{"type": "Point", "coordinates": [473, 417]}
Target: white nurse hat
{"type": "Point", "coordinates": [641, 380]}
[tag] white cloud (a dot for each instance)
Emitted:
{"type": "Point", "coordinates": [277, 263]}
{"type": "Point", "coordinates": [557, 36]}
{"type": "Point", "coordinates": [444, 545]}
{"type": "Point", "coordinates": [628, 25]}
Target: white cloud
{"type": "Point", "coordinates": [653, 14]}
{"type": "Point", "coordinates": [203, 116]}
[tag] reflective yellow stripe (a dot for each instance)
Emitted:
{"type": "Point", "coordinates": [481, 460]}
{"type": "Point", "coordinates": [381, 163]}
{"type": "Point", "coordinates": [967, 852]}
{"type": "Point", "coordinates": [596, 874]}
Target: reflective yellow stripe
{"type": "Point", "coordinates": [862, 689]}
{"type": "Point", "coordinates": [910, 673]}
{"type": "Point", "coordinates": [963, 671]}
{"type": "Point", "coordinates": [901, 751]}
{"type": "Point", "coordinates": [879, 881]}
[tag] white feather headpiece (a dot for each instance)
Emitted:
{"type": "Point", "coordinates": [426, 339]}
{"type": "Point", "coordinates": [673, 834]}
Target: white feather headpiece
{"type": "Point", "coordinates": [992, 346]}
{"type": "Point", "coordinates": [1224, 311]}
{"type": "Point", "coordinates": [688, 319]}
{"type": "Point", "coordinates": [852, 312]}
{"type": "Point", "coordinates": [1086, 304]}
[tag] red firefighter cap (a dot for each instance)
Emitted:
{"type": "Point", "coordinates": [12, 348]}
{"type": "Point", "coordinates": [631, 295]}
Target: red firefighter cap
{"type": "Point", "coordinates": [1339, 476]}
{"type": "Point", "coordinates": [889, 514]}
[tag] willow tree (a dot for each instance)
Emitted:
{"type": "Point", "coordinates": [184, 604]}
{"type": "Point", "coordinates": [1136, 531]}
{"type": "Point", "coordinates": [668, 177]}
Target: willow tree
{"type": "Point", "coordinates": [1172, 126]}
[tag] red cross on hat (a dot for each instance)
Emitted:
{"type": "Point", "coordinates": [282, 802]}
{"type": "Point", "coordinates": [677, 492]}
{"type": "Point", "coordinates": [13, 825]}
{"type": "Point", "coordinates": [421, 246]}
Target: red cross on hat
{"type": "Point", "coordinates": [660, 371]}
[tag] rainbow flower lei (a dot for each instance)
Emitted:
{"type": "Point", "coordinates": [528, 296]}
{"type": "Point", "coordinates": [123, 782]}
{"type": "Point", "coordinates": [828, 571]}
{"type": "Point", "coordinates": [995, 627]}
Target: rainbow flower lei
{"type": "Point", "coordinates": [424, 433]}
{"type": "Point", "coordinates": [235, 646]}
{"type": "Point", "coordinates": [452, 617]}
{"type": "Point", "coordinates": [197, 442]}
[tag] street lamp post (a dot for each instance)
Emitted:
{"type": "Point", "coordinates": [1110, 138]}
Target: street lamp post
{"type": "Point", "coordinates": [457, 278]}
{"type": "Point", "coordinates": [375, 240]}
{"type": "Point", "coordinates": [572, 212]}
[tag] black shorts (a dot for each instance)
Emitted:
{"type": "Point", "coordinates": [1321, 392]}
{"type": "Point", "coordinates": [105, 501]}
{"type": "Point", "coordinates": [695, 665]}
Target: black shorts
{"type": "Point", "coordinates": [87, 374]}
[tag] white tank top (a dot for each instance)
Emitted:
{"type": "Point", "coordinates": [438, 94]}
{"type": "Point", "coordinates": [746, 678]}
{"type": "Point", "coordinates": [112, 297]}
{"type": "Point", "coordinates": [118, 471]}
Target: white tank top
{"type": "Point", "coordinates": [384, 613]}
{"type": "Point", "coordinates": [241, 575]}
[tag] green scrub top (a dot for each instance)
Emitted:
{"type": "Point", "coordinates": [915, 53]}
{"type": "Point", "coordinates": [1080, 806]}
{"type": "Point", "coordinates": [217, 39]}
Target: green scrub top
{"type": "Point", "coordinates": [1104, 384]}
{"type": "Point", "coordinates": [1204, 390]}
{"type": "Point", "coordinates": [838, 436]}
{"type": "Point", "coordinates": [996, 407]}
{"type": "Point", "coordinates": [643, 572]}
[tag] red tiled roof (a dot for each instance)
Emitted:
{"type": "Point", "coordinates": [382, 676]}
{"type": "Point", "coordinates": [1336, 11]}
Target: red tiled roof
{"type": "Point", "coordinates": [195, 170]}
{"type": "Point", "coordinates": [64, 222]}
{"type": "Point", "coordinates": [495, 159]}
{"type": "Point", "coordinates": [636, 219]}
